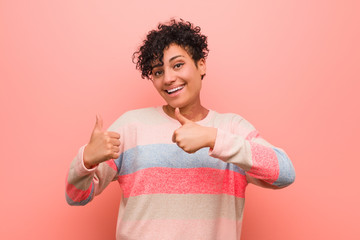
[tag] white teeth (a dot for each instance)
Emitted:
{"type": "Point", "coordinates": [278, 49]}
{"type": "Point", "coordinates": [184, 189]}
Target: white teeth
{"type": "Point", "coordinates": [174, 89]}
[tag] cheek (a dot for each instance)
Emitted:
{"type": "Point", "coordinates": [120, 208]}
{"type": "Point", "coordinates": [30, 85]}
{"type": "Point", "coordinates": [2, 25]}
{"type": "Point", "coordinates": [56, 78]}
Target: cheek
{"type": "Point", "coordinates": [195, 81]}
{"type": "Point", "coordinates": [157, 86]}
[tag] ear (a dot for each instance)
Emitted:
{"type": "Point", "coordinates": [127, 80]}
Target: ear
{"type": "Point", "coordinates": [201, 64]}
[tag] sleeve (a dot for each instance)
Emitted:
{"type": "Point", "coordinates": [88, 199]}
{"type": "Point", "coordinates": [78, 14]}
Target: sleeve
{"type": "Point", "coordinates": [83, 184]}
{"type": "Point", "coordinates": [244, 147]}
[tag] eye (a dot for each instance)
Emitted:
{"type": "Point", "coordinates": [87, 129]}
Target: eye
{"type": "Point", "coordinates": [178, 65]}
{"type": "Point", "coordinates": [157, 73]}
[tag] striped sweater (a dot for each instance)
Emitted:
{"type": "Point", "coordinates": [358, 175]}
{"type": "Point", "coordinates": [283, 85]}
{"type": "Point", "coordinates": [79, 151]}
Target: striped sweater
{"type": "Point", "coordinates": [170, 194]}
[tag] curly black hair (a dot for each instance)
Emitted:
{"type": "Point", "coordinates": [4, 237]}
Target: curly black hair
{"type": "Point", "coordinates": [182, 33]}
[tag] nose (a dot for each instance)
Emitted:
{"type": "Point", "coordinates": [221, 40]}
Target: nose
{"type": "Point", "coordinates": [169, 77]}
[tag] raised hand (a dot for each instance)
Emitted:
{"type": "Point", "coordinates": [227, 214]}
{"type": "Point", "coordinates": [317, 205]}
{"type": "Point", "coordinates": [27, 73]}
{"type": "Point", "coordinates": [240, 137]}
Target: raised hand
{"type": "Point", "coordinates": [192, 136]}
{"type": "Point", "coordinates": [102, 146]}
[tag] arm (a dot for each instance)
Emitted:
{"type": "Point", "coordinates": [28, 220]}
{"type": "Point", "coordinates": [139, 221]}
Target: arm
{"type": "Point", "coordinates": [93, 168]}
{"type": "Point", "coordinates": [265, 165]}
{"type": "Point", "coordinates": [82, 184]}
{"type": "Point", "coordinates": [240, 144]}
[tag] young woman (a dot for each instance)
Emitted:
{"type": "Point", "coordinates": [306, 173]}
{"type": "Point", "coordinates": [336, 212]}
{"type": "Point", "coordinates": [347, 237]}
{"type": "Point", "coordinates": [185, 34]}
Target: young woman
{"type": "Point", "coordinates": [182, 168]}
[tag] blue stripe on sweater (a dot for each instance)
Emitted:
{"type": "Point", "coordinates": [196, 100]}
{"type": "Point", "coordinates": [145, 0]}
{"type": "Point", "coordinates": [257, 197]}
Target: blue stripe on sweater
{"type": "Point", "coordinates": [168, 155]}
{"type": "Point", "coordinates": [287, 172]}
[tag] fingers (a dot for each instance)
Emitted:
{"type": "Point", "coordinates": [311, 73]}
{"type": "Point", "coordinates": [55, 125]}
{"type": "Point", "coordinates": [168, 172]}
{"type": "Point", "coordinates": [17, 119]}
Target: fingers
{"type": "Point", "coordinates": [174, 137]}
{"type": "Point", "coordinates": [103, 145]}
{"type": "Point", "coordinates": [114, 135]}
{"type": "Point", "coordinates": [115, 152]}
{"type": "Point", "coordinates": [113, 139]}
{"type": "Point", "coordinates": [115, 142]}
{"type": "Point", "coordinates": [112, 150]}
{"type": "Point", "coordinates": [180, 117]}
{"type": "Point", "coordinates": [98, 123]}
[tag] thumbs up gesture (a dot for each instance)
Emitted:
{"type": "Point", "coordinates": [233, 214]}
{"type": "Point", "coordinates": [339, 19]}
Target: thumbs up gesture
{"type": "Point", "coordinates": [192, 136]}
{"type": "Point", "coordinates": [102, 146]}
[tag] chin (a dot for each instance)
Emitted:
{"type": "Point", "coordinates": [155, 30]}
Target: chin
{"type": "Point", "coordinates": [174, 104]}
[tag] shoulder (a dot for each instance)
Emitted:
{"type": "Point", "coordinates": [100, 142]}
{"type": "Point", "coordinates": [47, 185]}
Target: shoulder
{"type": "Point", "coordinates": [229, 118]}
{"type": "Point", "coordinates": [234, 122]}
{"type": "Point", "coordinates": [139, 113]}
{"type": "Point", "coordinates": [226, 116]}
{"type": "Point", "coordinates": [135, 116]}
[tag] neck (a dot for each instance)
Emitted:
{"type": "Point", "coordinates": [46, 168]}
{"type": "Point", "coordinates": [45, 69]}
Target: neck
{"type": "Point", "coordinates": [193, 113]}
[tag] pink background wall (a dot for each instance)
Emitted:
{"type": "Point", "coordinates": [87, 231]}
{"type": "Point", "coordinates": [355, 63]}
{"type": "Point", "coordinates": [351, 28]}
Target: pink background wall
{"type": "Point", "coordinates": [290, 67]}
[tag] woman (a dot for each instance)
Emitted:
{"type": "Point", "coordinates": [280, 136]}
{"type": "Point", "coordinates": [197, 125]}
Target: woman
{"type": "Point", "coordinates": [182, 168]}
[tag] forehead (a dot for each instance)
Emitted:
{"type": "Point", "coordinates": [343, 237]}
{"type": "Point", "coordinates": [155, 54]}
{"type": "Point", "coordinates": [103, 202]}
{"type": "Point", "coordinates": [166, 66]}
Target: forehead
{"type": "Point", "coordinates": [170, 53]}
{"type": "Point", "coordinates": [174, 49]}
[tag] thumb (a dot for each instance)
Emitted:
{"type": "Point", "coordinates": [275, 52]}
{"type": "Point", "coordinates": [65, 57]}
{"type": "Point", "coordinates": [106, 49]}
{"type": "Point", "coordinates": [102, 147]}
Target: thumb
{"type": "Point", "coordinates": [99, 123]}
{"type": "Point", "coordinates": [180, 117]}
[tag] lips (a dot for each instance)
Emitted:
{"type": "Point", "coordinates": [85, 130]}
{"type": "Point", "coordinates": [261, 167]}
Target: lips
{"type": "Point", "coordinates": [174, 90]}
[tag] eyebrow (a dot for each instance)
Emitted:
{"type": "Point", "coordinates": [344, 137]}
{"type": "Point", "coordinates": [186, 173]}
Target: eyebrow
{"type": "Point", "coordinates": [171, 59]}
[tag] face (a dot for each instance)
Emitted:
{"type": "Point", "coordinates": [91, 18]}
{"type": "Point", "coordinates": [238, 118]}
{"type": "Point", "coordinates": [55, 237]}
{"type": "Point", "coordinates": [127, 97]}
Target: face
{"type": "Point", "coordinates": [178, 79]}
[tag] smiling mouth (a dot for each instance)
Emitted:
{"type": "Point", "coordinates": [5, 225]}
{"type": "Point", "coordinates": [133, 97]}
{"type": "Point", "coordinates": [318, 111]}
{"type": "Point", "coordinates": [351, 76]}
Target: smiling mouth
{"type": "Point", "coordinates": [174, 90]}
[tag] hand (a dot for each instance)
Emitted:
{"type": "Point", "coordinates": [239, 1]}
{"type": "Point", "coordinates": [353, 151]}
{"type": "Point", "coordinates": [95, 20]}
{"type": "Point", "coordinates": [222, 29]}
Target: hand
{"type": "Point", "coordinates": [191, 136]}
{"type": "Point", "coordinates": [102, 146]}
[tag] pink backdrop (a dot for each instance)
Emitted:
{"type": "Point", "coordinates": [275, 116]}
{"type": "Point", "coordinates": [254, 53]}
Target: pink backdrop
{"type": "Point", "coordinates": [290, 67]}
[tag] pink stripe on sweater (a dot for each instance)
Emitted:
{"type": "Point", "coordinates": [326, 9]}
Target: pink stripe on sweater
{"type": "Point", "coordinates": [265, 164]}
{"type": "Point", "coordinates": [77, 195]}
{"type": "Point", "coordinates": [183, 181]}
{"type": "Point", "coordinates": [112, 164]}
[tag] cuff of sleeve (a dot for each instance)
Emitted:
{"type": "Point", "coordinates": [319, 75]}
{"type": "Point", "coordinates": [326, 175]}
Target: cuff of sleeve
{"type": "Point", "coordinates": [232, 149]}
{"type": "Point", "coordinates": [80, 166]}
{"type": "Point", "coordinates": [218, 146]}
